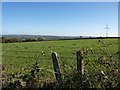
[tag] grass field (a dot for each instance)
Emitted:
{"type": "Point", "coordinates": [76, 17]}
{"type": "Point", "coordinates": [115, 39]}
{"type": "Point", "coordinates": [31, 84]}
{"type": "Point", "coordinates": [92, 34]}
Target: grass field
{"type": "Point", "coordinates": [17, 56]}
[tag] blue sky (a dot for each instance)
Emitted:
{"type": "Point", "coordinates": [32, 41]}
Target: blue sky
{"type": "Point", "coordinates": [60, 18]}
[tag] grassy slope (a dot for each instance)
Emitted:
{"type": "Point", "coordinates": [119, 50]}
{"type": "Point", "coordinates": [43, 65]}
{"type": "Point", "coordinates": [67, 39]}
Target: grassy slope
{"type": "Point", "coordinates": [18, 55]}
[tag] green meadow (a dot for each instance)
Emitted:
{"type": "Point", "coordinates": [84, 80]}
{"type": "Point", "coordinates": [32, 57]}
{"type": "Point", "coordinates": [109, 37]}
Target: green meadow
{"type": "Point", "coordinates": [19, 57]}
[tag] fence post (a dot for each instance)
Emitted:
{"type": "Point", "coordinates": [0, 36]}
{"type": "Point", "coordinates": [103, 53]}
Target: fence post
{"type": "Point", "coordinates": [79, 62]}
{"type": "Point", "coordinates": [56, 67]}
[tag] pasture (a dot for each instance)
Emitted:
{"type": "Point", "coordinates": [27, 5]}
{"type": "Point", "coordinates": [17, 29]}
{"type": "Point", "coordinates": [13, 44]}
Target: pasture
{"type": "Point", "coordinates": [18, 57]}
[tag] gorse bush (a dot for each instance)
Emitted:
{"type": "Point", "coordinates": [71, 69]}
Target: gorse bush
{"type": "Point", "coordinates": [101, 71]}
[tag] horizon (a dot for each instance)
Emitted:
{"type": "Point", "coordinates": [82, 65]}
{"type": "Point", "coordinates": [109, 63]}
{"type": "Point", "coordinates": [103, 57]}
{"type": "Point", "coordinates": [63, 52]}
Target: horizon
{"type": "Point", "coordinates": [60, 18]}
{"type": "Point", "coordinates": [53, 35]}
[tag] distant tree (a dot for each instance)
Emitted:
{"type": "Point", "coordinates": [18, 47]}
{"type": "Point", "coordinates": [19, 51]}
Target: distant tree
{"type": "Point", "coordinates": [10, 40]}
{"type": "Point", "coordinates": [14, 40]}
{"type": "Point", "coordinates": [90, 37]}
{"type": "Point", "coordinates": [80, 36]}
{"type": "Point", "coordinates": [0, 39]}
{"type": "Point", "coordinates": [4, 40]}
{"type": "Point", "coordinates": [40, 39]}
{"type": "Point", "coordinates": [29, 40]}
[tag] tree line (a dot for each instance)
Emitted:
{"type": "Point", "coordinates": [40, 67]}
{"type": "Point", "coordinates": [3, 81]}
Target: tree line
{"type": "Point", "coordinates": [11, 40]}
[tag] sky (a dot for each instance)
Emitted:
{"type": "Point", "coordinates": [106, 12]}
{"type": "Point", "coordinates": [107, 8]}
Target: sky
{"type": "Point", "coordinates": [60, 0]}
{"type": "Point", "coordinates": [60, 18]}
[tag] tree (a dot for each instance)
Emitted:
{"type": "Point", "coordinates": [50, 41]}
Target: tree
{"type": "Point", "coordinates": [40, 39]}
{"type": "Point", "coordinates": [4, 40]}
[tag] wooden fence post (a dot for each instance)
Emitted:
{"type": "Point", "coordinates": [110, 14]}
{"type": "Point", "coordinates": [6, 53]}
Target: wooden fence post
{"type": "Point", "coordinates": [79, 62]}
{"type": "Point", "coordinates": [56, 67]}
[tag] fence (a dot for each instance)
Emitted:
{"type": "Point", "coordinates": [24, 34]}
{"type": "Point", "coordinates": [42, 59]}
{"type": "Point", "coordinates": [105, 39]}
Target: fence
{"type": "Point", "coordinates": [57, 73]}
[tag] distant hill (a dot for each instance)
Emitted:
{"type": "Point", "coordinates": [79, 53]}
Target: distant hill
{"type": "Point", "coordinates": [46, 37]}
